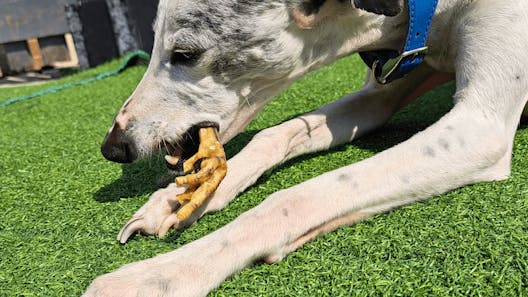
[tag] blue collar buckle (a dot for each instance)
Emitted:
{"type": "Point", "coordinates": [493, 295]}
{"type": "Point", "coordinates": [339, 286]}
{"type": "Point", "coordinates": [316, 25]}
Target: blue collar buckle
{"type": "Point", "coordinates": [388, 64]}
{"type": "Point", "coordinates": [385, 72]}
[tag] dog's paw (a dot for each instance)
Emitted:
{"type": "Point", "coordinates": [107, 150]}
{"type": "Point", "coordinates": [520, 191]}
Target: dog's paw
{"type": "Point", "coordinates": [156, 217]}
{"type": "Point", "coordinates": [179, 273]}
{"type": "Point", "coordinates": [124, 282]}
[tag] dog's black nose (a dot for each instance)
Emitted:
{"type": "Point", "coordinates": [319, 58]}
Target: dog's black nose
{"type": "Point", "coordinates": [116, 148]}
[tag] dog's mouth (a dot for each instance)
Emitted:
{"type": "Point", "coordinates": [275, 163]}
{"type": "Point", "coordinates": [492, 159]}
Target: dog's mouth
{"type": "Point", "coordinates": [178, 153]}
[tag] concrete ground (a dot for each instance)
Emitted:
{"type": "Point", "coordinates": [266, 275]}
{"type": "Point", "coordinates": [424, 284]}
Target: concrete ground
{"type": "Point", "coordinates": [29, 78]}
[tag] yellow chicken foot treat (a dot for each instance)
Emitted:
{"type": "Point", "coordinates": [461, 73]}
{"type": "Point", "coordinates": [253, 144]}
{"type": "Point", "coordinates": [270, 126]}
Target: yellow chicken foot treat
{"type": "Point", "coordinates": [207, 168]}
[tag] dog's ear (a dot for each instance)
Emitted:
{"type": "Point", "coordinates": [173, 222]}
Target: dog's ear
{"type": "Point", "coordinates": [309, 13]}
{"type": "Point", "coordinates": [385, 7]}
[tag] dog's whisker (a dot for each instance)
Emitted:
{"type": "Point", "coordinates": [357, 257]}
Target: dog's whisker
{"type": "Point", "coordinates": [172, 145]}
{"type": "Point", "coordinates": [160, 149]}
{"type": "Point", "coordinates": [164, 145]}
{"type": "Point", "coordinates": [190, 137]}
{"type": "Point", "coordinates": [179, 145]}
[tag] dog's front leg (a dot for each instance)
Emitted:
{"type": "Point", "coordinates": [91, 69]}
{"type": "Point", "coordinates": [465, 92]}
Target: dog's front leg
{"type": "Point", "coordinates": [466, 146]}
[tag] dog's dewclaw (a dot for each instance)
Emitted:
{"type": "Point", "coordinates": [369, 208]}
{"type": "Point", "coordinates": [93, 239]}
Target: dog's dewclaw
{"type": "Point", "coordinates": [206, 177]}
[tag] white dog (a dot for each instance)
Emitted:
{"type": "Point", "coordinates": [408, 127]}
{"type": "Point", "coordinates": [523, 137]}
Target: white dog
{"type": "Point", "coordinates": [222, 61]}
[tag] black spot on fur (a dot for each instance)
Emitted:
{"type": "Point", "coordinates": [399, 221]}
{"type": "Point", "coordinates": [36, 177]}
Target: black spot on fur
{"type": "Point", "coordinates": [187, 100]}
{"type": "Point", "coordinates": [156, 287]}
{"type": "Point", "coordinates": [224, 244]}
{"type": "Point", "coordinates": [186, 23]}
{"type": "Point", "coordinates": [429, 152]}
{"type": "Point", "coordinates": [444, 144]}
{"type": "Point", "coordinates": [343, 177]}
{"type": "Point", "coordinates": [285, 212]}
{"type": "Point", "coordinates": [245, 7]}
{"type": "Point", "coordinates": [164, 286]}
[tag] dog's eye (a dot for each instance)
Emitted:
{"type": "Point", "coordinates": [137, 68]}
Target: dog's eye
{"type": "Point", "coordinates": [184, 57]}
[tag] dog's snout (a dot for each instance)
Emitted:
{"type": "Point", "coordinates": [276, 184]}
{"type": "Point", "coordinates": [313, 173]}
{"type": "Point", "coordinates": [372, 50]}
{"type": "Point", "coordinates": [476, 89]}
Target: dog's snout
{"type": "Point", "coordinates": [117, 148]}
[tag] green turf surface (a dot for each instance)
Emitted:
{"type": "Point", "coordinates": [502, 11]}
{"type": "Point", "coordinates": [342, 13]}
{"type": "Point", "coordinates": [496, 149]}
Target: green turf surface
{"type": "Point", "coordinates": [62, 204]}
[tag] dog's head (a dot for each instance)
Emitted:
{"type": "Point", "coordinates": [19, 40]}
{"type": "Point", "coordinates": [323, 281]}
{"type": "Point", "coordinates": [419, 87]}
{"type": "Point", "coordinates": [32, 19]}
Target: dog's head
{"type": "Point", "coordinates": [219, 62]}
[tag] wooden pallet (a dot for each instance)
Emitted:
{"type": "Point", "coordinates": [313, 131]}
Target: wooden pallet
{"type": "Point", "coordinates": [33, 54]}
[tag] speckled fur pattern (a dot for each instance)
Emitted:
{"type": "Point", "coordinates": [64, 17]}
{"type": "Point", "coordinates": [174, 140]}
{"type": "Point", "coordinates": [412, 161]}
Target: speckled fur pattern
{"type": "Point", "coordinates": [247, 52]}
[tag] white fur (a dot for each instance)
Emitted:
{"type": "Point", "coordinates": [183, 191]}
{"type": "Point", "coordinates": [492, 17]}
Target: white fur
{"type": "Point", "coordinates": [482, 42]}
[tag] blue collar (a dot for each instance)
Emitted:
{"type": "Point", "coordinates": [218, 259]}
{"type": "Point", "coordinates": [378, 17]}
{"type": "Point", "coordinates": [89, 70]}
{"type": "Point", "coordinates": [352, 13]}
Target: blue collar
{"type": "Point", "coordinates": [389, 65]}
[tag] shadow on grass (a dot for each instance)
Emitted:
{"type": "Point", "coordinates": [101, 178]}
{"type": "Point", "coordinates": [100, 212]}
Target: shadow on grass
{"type": "Point", "coordinates": [143, 177]}
{"type": "Point", "coordinates": [523, 124]}
{"type": "Point", "coordinates": [137, 179]}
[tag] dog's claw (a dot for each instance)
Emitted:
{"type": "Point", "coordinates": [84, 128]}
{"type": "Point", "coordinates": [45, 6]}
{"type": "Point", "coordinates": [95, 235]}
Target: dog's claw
{"type": "Point", "coordinates": [130, 228]}
{"type": "Point", "coordinates": [169, 222]}
{"type": "Point", "coordinates": [213, 168]}
{"type": "Point", "coordinates": [156, 217]}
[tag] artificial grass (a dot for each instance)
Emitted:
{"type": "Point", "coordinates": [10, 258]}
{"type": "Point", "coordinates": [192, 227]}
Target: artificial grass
{"type": "Point", "coordinates": [63, 204]}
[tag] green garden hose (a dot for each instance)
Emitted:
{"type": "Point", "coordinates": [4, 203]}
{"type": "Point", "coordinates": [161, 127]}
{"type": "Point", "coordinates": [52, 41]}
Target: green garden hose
{"type": "Point", "coordinates": [129, 60]}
